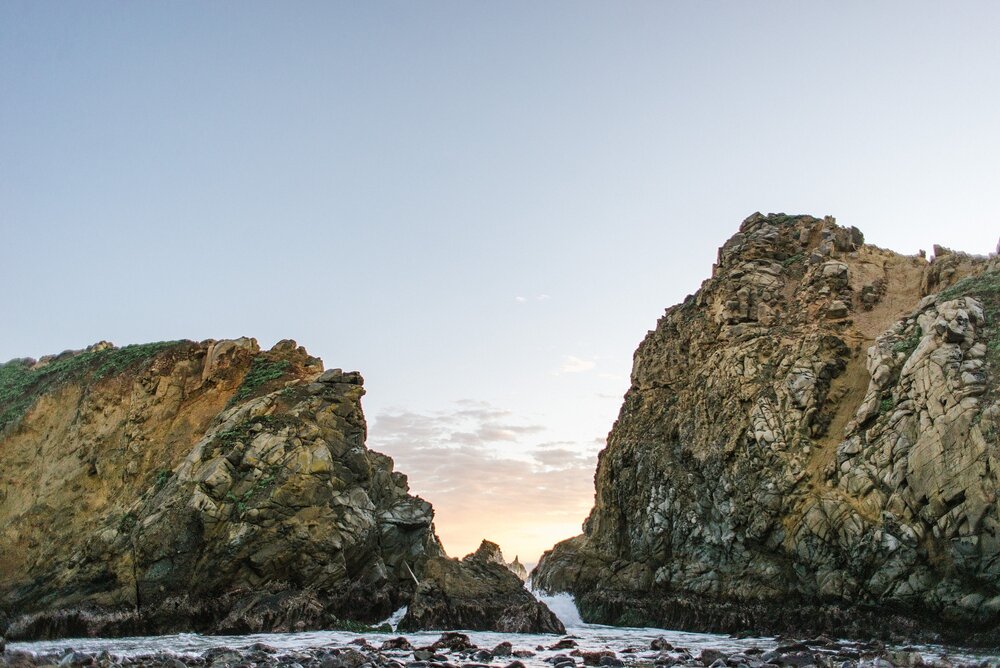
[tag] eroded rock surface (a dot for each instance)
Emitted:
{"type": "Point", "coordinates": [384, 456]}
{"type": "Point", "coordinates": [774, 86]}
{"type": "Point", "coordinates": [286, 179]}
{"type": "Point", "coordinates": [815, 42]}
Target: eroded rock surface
{"type": "Point", "coordinates": [208, 487]}
{"type": "Point", "coordinates": [490, 551]}
{"type": "Point", "coordinates": [810, 443]}
{"type": "Point", "coordinates": [480, 592]}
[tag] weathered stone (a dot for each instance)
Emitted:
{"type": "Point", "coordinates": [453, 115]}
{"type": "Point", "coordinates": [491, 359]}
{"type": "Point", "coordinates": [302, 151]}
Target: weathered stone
{"type": "Point", "coordinates": [710, 656]}
{"type": "Point", "coordinates": [476, 593]}
{"type": "Point", "coordinates": [785, 469]}
{"type": "Point", "coordinates": [837, 309]}
{"type": "Point", "coordinates": [489, 551]}
{"type": "Point", "coordinates": [206, 487]}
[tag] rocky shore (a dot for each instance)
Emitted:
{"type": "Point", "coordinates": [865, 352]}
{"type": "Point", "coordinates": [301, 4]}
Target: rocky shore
{"type": "Point", "coordinates": [457, 650]}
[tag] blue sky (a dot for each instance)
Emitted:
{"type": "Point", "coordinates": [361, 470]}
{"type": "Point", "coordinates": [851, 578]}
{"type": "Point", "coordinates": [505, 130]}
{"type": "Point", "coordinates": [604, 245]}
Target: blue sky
{"type": "Point", "coordinates": [481, 206]}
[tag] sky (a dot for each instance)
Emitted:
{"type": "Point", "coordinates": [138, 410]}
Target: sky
{"type": "Point", "coordinates": [482, 206]}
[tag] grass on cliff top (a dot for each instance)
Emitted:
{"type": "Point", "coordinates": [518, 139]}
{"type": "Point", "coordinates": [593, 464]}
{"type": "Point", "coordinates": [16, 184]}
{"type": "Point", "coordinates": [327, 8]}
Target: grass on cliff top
{"type": "Point", "coordinates": [262, 371]}
{"type": "Point", "coordinates": [21, 385]}
{"type": "Point", "coordinates": [984, 287]}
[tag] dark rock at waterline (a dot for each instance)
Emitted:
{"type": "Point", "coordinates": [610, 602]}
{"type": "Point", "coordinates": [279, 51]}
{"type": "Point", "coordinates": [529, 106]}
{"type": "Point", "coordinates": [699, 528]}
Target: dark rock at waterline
{"type": "Point", "coordinates": [453, 641]}
{"type": "Point", "coordinates": [396, 643]}
{"type": "Point", "coordinates": [345, 658]}
{"type": "Point", "coordinates": [710, 656]}
{"type": "Point", "coordinates": [560, 660]}
{"type": "Point", "coordinates": [503, 649]}
{"type": "Point", "coordinates": [476, 594]}
{"type": "Point", "coordinates": [594, 658]}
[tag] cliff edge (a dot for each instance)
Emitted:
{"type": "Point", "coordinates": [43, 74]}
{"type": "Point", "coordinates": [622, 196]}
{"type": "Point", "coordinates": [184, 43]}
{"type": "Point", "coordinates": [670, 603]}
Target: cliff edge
{"type": "Point", "coordinates": [809, 444]}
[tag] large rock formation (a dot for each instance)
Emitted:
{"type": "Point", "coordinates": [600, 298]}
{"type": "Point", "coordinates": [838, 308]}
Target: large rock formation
{"type": "Point", "coordinates": [480, 592]}
{"type": "Point", "coordinates": [810, 443]}
{"type": "Point", "coordinates": [206, 486]}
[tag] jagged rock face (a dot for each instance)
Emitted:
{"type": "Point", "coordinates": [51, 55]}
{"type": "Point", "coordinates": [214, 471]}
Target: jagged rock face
{"type": "Point", "coordinates": [518, 569]}
{"type": "Point", "coordinates": [480, 592]}
{"type": "Point", "coordinates": [490, 552]}
{"type": "Point", "coordinates": [810, 443]}
{"type": "Point", "coordinates": [202, 486]}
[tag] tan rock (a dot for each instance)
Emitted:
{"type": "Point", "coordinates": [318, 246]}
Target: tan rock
{"type": "Point", "coordinates": [812, 460]}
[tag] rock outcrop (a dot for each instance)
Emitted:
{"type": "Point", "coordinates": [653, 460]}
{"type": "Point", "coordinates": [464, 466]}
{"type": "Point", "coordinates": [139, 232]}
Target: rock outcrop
{"type": "Point", "coordinates": [809, 444]}
{"type": "Point", "coordinates": [490, 552]}
{"type": "Point", "coordinates": [480, 592]}
{"type": "Point", "coordinates": [208, 487]}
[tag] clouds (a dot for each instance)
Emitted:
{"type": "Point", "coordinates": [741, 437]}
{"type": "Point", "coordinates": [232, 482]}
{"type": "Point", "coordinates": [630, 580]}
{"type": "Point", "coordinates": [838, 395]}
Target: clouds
{"type": "Point", "coordinates": [520, 299]}
{"type": "Point", "coordinates": [574, 364]}
{"type": "Point", "coordinates": [489, 475]}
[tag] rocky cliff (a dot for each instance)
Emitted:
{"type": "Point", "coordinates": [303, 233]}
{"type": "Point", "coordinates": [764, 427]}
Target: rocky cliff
{"type": "Point", "coordinates": [809, 444]}
{"type": "Point", "coordinates": [208, 487]}
{"type": "Point", "coordinates": [482, 591]}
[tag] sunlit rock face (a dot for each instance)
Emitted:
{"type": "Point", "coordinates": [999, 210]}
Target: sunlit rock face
{"type": "Point", "coordinates": [809, 444]}
{"type": "Point", "coordinates": [208, 487]}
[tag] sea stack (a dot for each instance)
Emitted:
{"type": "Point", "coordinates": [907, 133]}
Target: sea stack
{"type": "Point", "coordinates": [210, 487]}
{"type": "Point", "coordinates": [809, 444]}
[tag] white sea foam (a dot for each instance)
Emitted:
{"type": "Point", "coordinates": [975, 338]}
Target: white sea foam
{"type": "Point", "coordinates": [562, 606]}
{"type": "Point", "coordinates": [632, 644]}
{"type": "Point", "coordinates": [395, 618]}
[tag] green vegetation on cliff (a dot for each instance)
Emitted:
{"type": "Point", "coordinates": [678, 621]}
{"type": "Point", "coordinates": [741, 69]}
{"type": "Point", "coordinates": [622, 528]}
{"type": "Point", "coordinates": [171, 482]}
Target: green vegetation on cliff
{"type": "Point", "coordinates": [22, 382]}
{"type": "Point", "coordinates": [262, 371]}
{"type": "Point", "coordinates": [985, 288]}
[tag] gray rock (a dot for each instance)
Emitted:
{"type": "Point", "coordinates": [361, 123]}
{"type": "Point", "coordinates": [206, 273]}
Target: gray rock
{"type": "Point", "coordinates": [778, 466]}
{"type": "Point", "coordinates": [710, 656]}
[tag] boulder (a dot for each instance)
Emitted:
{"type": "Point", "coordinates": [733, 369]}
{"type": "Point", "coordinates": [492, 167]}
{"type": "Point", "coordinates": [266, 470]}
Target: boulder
{"type": "Point", "coordinates": [476, 593]}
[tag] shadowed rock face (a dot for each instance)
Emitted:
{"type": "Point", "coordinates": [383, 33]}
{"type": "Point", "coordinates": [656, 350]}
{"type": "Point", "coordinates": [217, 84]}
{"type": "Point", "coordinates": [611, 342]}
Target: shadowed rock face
{"type": "Point", "coordinates": [480, 593]}
{"type": "Point", "coordinates": [490, 552]}
{"type": "Point", "coordinates": [204, 487]}
{"type": "Point", "coordinates": [810, 443]}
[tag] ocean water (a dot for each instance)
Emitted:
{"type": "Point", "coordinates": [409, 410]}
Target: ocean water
{"type": "Point", "coordinates": [630, 644]}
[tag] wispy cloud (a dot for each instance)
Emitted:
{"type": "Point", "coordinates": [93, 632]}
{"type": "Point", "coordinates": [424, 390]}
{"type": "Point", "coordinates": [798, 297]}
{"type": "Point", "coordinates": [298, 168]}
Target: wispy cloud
{"type": "Point", "coordinates": [455, 459]}
{"type": "Point", "coordinates": [521, 299]}
{"type": "Point", "coordinates": [573, 364]}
